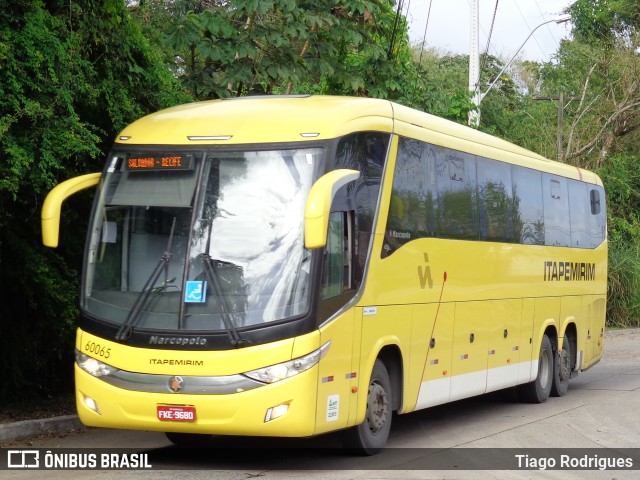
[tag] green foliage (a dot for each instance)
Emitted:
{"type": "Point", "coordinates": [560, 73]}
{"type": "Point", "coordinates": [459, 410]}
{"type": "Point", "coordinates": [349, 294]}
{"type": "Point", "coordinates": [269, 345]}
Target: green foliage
{"type": "Point", "coordinates": [621, 179]}
{"type": "Point", "coordinates": [221, 49]}
{"type": "Point", "coordinates": [71, 75]}
{"type": "Point", "coordinates": [623, 297]}
{"type": "Point", "coordinates": [601, 20]}
{"type": "Point", "coordinates": [439, 85]}
{"type": "Point", "coordinates": [603, 116]}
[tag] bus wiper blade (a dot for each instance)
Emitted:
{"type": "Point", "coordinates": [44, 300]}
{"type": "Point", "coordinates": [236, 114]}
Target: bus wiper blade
{"type": "Point", "coordinates": [126, 329]}
{"type": "Point", "coordinates": [232, 329]}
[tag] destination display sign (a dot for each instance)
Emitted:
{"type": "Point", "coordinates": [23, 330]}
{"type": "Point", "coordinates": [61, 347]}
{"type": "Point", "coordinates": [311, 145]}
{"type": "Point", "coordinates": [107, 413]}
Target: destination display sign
{"type": "Point", "coordinates": [155, 163]}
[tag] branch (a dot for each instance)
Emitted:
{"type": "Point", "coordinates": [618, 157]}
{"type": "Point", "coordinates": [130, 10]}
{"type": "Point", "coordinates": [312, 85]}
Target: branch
{"type": "Point", "coordinates": [580, 104]}
{"type": "Point", "coordinates": [608, 122]}
{"type": "Point", "coordinates": [305, 47]}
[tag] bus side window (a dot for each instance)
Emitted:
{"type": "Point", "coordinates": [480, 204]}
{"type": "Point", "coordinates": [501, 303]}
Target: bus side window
{"type": "Point", "coordinates": [579, 214]}
{"type": "Point", "coordinates": [598, 220]}
{"type": "Point", "coordinates": [338, 272]}
{"type": "Point", "coordinates": [557, 229]}
{"type": "Point", "coordinates": [595, 201]}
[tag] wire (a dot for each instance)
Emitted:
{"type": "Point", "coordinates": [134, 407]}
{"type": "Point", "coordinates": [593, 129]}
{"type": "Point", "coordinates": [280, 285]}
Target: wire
{"type": "Point", "coordinates": [547, 26]}
{"type": "Point", "coordinates": [486, 50]}
{"type": "Point", "coordinates": [530, 30]}
{"type": "Point", "coordinates": [406, 12]}
{"type": "Point", "coordinates": [396, 25]}
{"type": "Point", "coordinates": [424, 36]}
{"type": "Point", "coordinates": [424, 39]}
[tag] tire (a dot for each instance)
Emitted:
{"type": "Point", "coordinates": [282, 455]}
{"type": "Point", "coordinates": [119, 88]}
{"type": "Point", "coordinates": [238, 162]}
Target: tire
{"type": "Point", "coordinates": [188, 439]}
{"type": "Point", "coordinates": [539, 390]}
{"type": "Point", "coordinates": [370, 436]}
{"type": "Point", "coordinates": [562, 370]}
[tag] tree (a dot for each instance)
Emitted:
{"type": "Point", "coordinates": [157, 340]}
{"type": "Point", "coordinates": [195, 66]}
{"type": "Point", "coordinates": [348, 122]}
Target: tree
{"type": "Point", "coordinates": [604, 117]}
{"type": "Point", "coordinates": [220, 49]}
{"type": "Point", "coordinates": [71, 75]}
{"type": "Point", "coordinates": [605, 20]}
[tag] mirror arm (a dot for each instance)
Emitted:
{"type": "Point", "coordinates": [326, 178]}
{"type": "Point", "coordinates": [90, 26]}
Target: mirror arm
{"type": "Point", "coordinates": [50, 216]}
{"type": "Point", "coordinates": [318, 206]}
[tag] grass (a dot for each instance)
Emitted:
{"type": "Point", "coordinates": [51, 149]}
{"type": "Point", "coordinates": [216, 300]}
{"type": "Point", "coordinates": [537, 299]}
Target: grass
{"type": "Point", "coordinates": [623, 299]}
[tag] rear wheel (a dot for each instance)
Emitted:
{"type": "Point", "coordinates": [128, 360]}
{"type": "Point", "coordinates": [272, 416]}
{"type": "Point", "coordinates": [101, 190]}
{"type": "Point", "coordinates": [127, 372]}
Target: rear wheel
{"type": "Point", "coordinates": [538, 391]}
{"type": "Point", "coordinates": [562, 370]}
{"type": "Point", "coordinates": [370, 436]}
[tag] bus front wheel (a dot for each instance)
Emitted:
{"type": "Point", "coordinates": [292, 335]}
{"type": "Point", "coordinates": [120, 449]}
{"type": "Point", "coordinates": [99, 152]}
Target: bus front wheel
{"type": "Point", "coordinates": [370, 436]}
{"type": "Point", "coordinates": [539, 390]}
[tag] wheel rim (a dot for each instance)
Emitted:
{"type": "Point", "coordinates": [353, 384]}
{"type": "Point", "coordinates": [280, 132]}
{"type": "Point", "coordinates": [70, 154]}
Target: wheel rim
{"type": "Point", "coordinates": [377, 407]}
{"type": "Point", "coordinates": [545, 369]}
{"type": "Point", "coordinates": [565, 365]}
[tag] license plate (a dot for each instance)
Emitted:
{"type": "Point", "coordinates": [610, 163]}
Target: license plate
{"type": "Point", "coordinates": [176, 413]}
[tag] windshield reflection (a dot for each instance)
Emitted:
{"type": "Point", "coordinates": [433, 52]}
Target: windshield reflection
{"type": "Point", "coordinates": [251, 226]}
{"type": "Point", "coordinates": [217, 246]}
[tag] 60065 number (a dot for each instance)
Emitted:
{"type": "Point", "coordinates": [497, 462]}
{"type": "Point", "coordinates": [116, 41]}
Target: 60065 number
{"type": "Point", "coordinates": [97, 349]}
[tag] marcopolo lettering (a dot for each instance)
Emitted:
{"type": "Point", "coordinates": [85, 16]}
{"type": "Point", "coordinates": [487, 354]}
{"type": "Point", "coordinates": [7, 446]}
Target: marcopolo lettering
{"type": "Point", "coordinates": [400, 235]}
{"type": "Point", "coordinates": [569, 271]}
{"type": "Point", "coordinates": [180, 341]}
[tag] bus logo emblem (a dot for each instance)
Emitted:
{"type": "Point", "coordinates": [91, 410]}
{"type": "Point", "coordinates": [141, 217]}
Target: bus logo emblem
{"type": "Point", "coordinates": [424, 273]}
{"type": "Point", "coordinates": [176, 384]}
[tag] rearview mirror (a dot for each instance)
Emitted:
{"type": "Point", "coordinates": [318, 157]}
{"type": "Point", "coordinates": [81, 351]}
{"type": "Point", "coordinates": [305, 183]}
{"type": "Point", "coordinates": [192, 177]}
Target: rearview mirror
{"type": "Point", "coordinates": [50, 216]}
{"type": "Point", "coordinates": [318, 206]}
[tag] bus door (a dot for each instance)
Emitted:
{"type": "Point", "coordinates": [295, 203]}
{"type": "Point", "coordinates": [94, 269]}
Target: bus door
{"type": "Point", "coordinates": [338, 380]}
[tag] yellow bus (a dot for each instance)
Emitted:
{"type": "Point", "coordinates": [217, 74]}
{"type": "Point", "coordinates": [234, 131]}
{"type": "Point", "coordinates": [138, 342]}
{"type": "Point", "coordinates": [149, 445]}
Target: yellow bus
{"type": "Point", "coordinates": [291, 266]}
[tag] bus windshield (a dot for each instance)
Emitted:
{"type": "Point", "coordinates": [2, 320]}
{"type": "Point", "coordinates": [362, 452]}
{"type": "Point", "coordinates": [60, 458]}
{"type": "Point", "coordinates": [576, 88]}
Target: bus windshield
{"type": "Point", "coordinates": [200, 241]}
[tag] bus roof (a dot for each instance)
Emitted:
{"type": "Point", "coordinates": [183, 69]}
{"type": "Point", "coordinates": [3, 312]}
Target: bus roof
{"type": "Point", "coordinates": [294, 118]}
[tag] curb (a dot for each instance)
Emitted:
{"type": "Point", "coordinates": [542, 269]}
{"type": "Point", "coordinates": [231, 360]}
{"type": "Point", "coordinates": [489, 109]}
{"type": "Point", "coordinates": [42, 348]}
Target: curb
{"type": "Point", "coordinates": [33, 428]}
{"type": "Point", "coordinates": [615, 333]}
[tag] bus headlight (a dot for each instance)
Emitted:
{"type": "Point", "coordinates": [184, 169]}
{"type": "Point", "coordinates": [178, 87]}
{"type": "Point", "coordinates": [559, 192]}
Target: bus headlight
{"type": "Point", "coordinates": [288, 369]}
{"type": "Point", "coordinates": [92, 366]}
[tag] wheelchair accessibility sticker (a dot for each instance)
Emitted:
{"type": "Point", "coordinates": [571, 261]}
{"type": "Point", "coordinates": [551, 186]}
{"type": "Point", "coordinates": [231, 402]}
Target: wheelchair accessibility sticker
{"type": "Point", "coordinates": [195, 291]}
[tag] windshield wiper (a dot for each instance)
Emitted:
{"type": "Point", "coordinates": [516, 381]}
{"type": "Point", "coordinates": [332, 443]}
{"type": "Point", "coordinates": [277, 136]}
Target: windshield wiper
{"type": "Point", "coordinates": [230, 325]}
{"type": "Point", "coordinates": [125, 330]}
{"type": "Point", "coordinates": [212, 277]}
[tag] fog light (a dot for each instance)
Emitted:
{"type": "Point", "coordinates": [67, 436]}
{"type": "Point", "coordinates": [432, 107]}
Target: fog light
{"type": "Point", "coordinates": [91, 404]}
{"type": "Point", "coordinates": [275, 412]}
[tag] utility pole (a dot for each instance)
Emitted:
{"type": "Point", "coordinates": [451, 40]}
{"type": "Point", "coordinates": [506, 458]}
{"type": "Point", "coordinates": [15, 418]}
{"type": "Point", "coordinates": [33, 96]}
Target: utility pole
{"type": "Point", "coordinates": [560, 131]}
{"type": "Point", "coordinates": [474, 64]}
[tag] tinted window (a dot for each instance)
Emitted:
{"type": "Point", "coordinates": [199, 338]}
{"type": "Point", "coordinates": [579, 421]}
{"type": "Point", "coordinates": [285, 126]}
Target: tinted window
{"type": "Point", "coordinates": [556, 210]}
{"type": "Point", "coordinates": [527, 201]}
{"type": "Point", "coordinates": [456, 207]}
{"type": "Point", "coordinates": [495, 202]}
{"type": "Point", "coordinates": [580, 211]}
{"type": "Point", "coordinates": [598, 217]}
{"type": "Point", "coordinates": [411, 206]}
{"type": "Point", "coordinates": [365, 152]}
{"type": "Point", "coordinates": [439, 192]}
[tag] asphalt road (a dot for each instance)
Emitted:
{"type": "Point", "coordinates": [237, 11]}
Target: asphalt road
{"type": "Point", "coordinates": [600, 410]}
